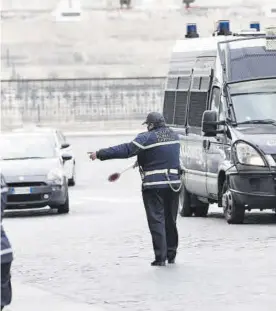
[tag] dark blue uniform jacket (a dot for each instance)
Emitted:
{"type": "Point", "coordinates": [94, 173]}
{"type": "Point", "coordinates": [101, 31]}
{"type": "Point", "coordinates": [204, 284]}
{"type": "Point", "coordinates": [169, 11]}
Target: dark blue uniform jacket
{"type": "Point", "coordinates": [6, 250]}
{"type": "Point", "coordinates": [158, 154]}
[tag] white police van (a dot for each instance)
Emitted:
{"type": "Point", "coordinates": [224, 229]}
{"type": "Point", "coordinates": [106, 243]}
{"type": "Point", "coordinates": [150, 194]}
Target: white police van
{"type": "Point", "coordinates": [220, 97]}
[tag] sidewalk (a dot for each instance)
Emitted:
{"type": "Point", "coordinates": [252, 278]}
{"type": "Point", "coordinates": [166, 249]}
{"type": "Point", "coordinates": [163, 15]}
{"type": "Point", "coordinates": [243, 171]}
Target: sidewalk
{"type": "Point", "coordinates": [29, 298]}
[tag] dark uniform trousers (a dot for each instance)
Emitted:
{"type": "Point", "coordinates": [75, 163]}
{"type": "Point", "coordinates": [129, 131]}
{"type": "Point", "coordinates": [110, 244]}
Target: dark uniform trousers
{"type": "Point", "coordinates": [6, 289]}
{"type": "Point", "coordinates": [161, 206]}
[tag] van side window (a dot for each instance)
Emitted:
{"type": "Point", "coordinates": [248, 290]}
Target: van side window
{"type": "Point", "coordinates": [215, 101]}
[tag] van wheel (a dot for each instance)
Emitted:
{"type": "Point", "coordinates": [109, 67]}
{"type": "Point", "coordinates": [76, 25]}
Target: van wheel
{"type": "Point", "coordinates": [233, 212]}
{"type": "Point", "coordinates": [185, 203]}
{"type": "Point", "coordinates": [64, 208]}
{"type": "Point", "coordinates": [201, 209]}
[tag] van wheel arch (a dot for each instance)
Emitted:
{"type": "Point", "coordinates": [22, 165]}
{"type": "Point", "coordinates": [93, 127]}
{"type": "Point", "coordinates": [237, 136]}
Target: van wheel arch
{"type": "Point", "coordinates": [221, 179]}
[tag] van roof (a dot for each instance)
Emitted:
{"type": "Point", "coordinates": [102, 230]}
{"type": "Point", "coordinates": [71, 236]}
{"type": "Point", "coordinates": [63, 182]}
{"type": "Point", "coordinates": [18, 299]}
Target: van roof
{"type": "Point", "coordinates": [247, 57]}
{"type": "Point", "coordinates": [199, 44]}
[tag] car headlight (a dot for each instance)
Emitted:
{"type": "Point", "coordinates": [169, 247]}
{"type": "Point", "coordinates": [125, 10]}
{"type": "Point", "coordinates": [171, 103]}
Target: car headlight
{"type": "Point", "coordinates": [248, 155]}
{"type": "Point", "coordinates": [56, 176]}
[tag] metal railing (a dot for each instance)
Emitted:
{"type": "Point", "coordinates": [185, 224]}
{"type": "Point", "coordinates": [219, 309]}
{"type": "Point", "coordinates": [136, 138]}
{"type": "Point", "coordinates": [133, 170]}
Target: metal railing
{"type": "Point", "coordinates": [79, 100]}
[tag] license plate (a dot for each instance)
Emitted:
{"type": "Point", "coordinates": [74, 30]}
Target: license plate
{"type": "Point", "coordinates": [21, 190]}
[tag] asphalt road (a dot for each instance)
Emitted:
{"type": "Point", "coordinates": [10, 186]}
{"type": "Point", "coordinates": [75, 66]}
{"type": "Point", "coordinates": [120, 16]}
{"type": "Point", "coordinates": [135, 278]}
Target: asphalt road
{"type": "Point", "coordinates": [101, 252]}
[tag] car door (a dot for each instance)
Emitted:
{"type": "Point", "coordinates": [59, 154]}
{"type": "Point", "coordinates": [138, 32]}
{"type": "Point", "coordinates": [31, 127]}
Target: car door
{"type": "Point", "coordinates": [214, 146]}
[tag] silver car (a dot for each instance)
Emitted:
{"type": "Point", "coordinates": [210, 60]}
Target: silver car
{"type": "Point", "coordinates": [34, 172]}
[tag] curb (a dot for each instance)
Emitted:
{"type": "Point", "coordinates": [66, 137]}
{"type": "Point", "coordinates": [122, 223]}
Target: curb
{"type": "Point", "coordinates": [103, 133]}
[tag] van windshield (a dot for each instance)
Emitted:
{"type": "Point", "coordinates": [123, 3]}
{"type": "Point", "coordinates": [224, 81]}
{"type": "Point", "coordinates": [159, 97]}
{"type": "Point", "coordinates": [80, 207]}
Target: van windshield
{"type": "Point", "coordinates": [254, 106]}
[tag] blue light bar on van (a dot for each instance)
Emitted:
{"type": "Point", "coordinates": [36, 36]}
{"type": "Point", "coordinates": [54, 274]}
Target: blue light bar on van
{"type": "Point", "coordinates": [223, 28]}
{"type": "Point", "coordinates": [255, 25]}
{"type": "Point", "coordinates": [191, 31]}
{"type": "Point", "coordinates": [191, 28]}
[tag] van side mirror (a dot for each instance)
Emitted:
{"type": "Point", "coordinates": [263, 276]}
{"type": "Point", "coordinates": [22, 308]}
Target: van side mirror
{"type": "Point", "coordinates": [210, 124]}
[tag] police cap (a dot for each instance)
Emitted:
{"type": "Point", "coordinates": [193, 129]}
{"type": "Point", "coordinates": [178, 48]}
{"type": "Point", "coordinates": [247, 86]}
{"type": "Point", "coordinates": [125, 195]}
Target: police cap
{"type": "Point", "coordinates": [154, 118]}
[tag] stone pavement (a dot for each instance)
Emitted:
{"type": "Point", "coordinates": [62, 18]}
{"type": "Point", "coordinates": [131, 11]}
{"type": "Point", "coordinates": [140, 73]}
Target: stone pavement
{"type": "Point", "coordinates": [30, 298]}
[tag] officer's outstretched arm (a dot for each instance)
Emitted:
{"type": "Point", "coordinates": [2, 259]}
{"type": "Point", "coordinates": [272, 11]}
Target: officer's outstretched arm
{"type": "Point", "coordinates": [124, 151]}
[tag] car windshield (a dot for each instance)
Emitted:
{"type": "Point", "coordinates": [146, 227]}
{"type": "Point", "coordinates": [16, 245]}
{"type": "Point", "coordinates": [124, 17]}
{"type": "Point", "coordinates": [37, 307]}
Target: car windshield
{"type": "Point", "coordinates": [26, 147]}
{"type": "Point", "coordinates": [255, 107]}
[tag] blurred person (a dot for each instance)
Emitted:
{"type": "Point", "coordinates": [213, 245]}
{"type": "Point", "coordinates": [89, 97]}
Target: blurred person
{"type": "Point", "coordinates": [157, 152]}
{"type": "Point", "coordinates": [6, 253]}
{"type": "Point", "coordinates": [125, 2]}
{"type": "Point", "coordinates": [188, 3]}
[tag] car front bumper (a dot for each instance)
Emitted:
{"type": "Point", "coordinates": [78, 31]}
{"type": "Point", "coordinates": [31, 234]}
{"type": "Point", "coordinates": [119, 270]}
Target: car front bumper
{"type": "Point", "coordinates": [254, 190]}
{"type": "Point", "coordinates": [36, 195]}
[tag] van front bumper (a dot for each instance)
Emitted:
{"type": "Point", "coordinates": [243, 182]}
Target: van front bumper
{"type": "Point", "coordinates": [254, 190]}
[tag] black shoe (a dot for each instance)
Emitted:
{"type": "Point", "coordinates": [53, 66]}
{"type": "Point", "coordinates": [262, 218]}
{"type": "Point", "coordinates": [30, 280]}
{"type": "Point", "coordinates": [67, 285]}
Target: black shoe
{"type": "Point", "coordinates": [158, 263]}
{"type": "Point", "coordinates": [171, 260]}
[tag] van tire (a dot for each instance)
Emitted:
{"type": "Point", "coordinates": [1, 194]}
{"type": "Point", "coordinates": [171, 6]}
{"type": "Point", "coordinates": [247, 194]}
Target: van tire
{"type": "Point", "coordinates": [234, 213]}
{"type": "Point", "coordinates": [185, 203]}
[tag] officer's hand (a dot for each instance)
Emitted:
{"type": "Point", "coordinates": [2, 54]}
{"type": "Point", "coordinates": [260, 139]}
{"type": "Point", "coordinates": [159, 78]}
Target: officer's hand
{"type": "Point", "coordinates": [92, 155]}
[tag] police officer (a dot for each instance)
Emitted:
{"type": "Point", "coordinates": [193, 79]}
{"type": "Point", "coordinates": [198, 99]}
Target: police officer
{"type": "Point", "coordinates": [6, 253]}
{"type": "Point", "coordinates": [157, 152]}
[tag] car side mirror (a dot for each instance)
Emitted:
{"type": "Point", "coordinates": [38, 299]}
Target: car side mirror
{"type": "Point", "coordinates": [66, 157]}
{"type": "Point", "coordinates": [210, 124]}
{"type": "Point", "coordinates": [64, 145]}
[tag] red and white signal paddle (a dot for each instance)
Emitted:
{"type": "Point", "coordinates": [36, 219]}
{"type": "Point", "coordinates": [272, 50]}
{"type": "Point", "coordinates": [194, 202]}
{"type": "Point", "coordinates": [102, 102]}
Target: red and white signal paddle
{"type": "Point", "coordinates": [115, 176]}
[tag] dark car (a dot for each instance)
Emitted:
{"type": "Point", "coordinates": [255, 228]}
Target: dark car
{"type": "Point", "coordinates": [34, 172]}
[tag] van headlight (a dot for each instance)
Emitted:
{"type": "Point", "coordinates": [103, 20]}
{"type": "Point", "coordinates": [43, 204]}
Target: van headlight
{"type": "Point", "coordinates": [56, 176]}
{"type": "Point", "coordinates": [248, 155]}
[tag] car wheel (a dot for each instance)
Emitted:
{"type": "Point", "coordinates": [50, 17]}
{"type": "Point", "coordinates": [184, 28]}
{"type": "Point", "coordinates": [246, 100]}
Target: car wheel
{"type": "Point", "coordinates": [201, 209]}
{"type": "Point", "coordinates": [64, 208]}
{"type": "Point", "coordinates": [233, 212]}
{"type": "Point", "coordinates": [72, 181]}
{"type": "Point", "coordinates": [185, 205]}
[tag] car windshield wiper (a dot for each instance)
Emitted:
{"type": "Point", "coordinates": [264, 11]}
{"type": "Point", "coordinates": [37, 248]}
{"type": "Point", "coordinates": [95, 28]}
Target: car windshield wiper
{"type": "Point", "coordinates": [264, 121]}
{"type": "Point", "coordinates": [23, 158]}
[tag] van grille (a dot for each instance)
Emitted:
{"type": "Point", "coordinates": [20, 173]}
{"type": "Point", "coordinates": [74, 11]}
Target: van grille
{"type": "Point", "coordinates": [180, 108]}
{"type": "Point", "coordinates": [168, 109]}
{"type": "Point", "coordinates": [198, 103]}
